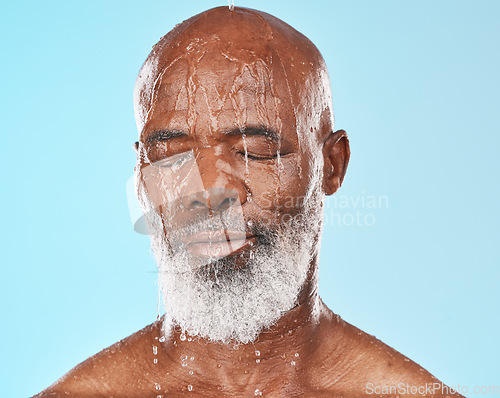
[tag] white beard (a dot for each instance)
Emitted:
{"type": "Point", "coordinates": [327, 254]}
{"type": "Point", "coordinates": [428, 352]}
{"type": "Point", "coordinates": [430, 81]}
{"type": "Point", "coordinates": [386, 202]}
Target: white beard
{"type": "Point", "coordinates": [231, 304]}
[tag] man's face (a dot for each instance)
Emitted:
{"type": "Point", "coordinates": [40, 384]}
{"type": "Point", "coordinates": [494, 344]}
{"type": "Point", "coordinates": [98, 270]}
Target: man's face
{"type": "Point", "coordinates": [236, 195]}
{"type": "Point", "coordinates": [240, 125]}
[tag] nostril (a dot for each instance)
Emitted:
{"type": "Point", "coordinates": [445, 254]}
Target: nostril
{"type": "Point", "coordinates": [226, 203]}
{"type": "Point", "coordinates": [196, 204]}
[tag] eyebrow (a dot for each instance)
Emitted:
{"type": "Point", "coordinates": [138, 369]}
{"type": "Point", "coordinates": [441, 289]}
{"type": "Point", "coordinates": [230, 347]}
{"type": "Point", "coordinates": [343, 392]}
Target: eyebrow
{"type": "Point", "coordinates": [255, 130]}
{"type": "Point", "coordinates": [165, 135]}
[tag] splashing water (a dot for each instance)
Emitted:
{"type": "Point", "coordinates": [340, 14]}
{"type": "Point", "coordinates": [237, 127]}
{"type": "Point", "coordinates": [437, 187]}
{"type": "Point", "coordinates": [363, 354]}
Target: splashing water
{"type": "Point", "coordinates": [230, 302]}
{"type": "Point", "coordinates": [245, 146]}
{"type": "Point", "coordinates": [227, 296]}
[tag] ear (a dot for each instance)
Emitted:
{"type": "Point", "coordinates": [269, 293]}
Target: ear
{"type": "Point", "coordinates": [136, 146]}
{"type": "Point", "coordinates": [336, 155]}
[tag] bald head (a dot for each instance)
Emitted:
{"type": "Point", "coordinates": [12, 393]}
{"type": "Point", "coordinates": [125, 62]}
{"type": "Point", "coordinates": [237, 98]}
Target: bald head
{"type": "Point", "coordinates": [222, 57]}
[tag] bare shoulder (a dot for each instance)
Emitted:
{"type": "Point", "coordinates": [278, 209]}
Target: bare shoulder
{"type": "Point", "coordinates": [111, 372]}
{"type": "Point", "coordinates": [352, 363]}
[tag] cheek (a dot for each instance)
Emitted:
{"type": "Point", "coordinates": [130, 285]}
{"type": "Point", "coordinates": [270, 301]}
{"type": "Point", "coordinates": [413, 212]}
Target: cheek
{"type": "Point", "coordinates": [281, 188]}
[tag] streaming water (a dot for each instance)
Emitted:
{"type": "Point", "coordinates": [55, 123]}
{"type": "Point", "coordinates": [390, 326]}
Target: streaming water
{"type": "Point", "coordinates": [215, 304]}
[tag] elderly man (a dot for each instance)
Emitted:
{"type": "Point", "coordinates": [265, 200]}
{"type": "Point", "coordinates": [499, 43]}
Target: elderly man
{"type": "Point", "coordinates": [235, 156]}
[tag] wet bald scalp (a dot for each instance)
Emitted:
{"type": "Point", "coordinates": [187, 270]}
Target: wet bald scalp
{"type": "Point", "coordinates": [297, 69]}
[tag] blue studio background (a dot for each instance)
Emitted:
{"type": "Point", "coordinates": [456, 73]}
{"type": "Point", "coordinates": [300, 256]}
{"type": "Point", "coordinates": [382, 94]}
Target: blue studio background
{"type": "Point", "coordinates": [410, 245]}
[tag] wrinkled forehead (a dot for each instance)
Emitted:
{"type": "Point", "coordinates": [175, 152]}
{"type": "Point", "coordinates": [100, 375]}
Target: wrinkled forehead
{"type": "Point", "coordinates": [208, 88]}
{"type": "Point", "coordinates": [241, 65]}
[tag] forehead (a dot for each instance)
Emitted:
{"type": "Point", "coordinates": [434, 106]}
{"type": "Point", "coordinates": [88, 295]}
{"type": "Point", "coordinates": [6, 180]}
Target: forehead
{"type": "Point", "coordinates": [207, 90]}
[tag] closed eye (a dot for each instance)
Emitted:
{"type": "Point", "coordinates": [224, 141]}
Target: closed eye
{"type": "Point", "coordinates": [253, 157]}
{"type": "Point", "coordinates": [257, 157]}
{"type": "Point", "coordinates": [174, 161]}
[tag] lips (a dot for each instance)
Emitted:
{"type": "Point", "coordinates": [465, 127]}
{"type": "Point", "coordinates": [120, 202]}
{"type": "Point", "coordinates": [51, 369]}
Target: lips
{"type": "Point", "coordinates": [218, 243]}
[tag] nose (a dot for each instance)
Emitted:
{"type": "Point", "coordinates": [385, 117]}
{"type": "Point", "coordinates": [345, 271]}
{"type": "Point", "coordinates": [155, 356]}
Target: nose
{"type": "Point", "coordinates": [212, 200]}
{"type": "Point", "coordinates": [221, 189]}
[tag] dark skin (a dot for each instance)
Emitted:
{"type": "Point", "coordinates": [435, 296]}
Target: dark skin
{"type": "Point", "coordinates": [254, 74]}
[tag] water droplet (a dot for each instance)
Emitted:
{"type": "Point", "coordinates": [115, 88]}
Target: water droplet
{"type": "Point", "coordinates": [283, 356]}
{"type": "Point", "coordinates": [157, 386]}
{"type": "Point", "coordinates": [191, 359]}
{"type": "Point", "coordinates": [182, 336]}
{"type": "Point", "coordinates": [155, 360]}
{"type": "Point", "coordinates": [190, 339]}
{"type": "Point", "coordinates": [161, 339]}
{"type": "Point", "coordinates": [290, 331]}
{"type": "Point", "coordinates": [191, 372]}
{"type": "Point", "coordinates": [257, 361]}
{"type": "Point", "coordinates": [257, 353]}
{"type": "Point", "coordinates": [292, 363]}
{"type": "Point", "coordinates": [184, 364]}
{"type": "Point", "coordinates": [296, 354]}
{"type": "Point", "coordinates": [257, 392]}
{"type": "Point", "coordinates": [184, 357]}
{"type": "Point", "coordinates": [190, 387]}
{"type": "Point", "coordinates": [219, 365]}
{"type": "Point", "coordinates": [249, 223]}
{"type": "Point", "coordinates": [155, 350]}
{"type": "Point", "coordinates": [236, 347]}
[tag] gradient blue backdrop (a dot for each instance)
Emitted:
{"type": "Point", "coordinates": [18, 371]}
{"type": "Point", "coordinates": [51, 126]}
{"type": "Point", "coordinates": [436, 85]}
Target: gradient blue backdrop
{"type": "Point", "coordinates": [416, 85]}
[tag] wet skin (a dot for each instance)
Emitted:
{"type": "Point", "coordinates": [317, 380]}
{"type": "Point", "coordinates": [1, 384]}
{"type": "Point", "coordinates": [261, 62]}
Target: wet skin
{"type": "Point", "coordinates": [249, 96]}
